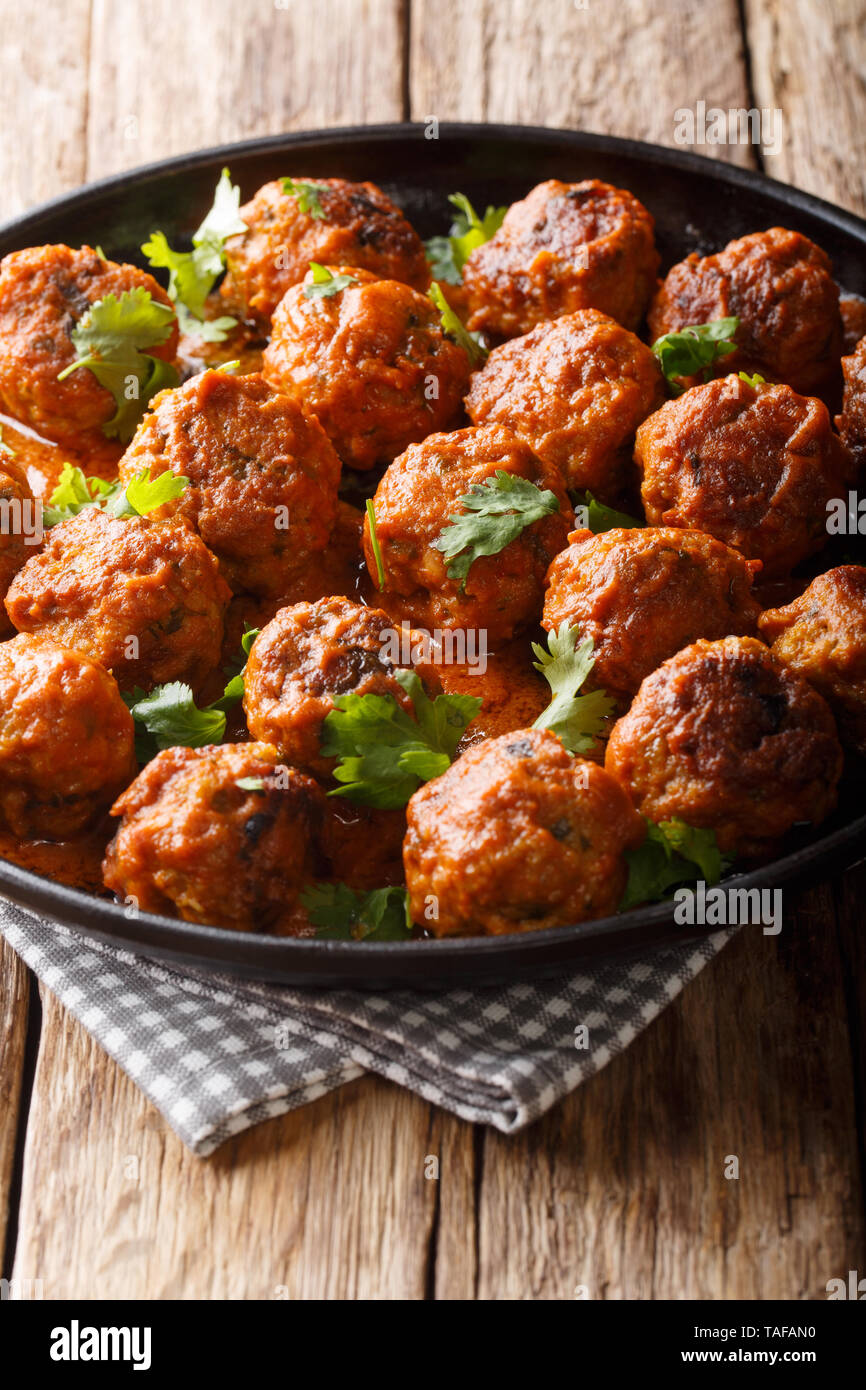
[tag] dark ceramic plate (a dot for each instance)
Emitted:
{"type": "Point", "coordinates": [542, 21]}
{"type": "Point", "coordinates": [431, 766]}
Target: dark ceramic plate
{"type": "Point", "coordinates": [698, 204]}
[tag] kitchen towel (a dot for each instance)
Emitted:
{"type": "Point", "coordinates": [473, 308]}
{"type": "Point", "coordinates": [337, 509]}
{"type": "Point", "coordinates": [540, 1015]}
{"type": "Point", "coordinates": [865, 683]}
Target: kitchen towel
{"type": "Point", "coordinates": [216, 1055]}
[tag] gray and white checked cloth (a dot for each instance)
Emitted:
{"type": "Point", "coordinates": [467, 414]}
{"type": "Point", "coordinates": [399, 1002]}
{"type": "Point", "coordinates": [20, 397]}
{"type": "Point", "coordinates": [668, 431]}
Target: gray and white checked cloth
{"type": "Point", "coordinates": [216, 1055]}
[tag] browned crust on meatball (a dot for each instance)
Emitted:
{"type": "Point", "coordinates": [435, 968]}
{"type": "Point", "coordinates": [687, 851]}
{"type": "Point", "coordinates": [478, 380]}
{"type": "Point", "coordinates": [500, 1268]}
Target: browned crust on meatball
{"type": "Point", "coordinates": [752, 466]}
{"type": "Point", "coordinates": [576, 391]}
{"type": "Point", "coordinates": [17, 544]}
{"type": "Point", "coordinates": [725, 737]}
{"type": "Point", "coordinates": [780, 286]}
{"type": "Point", "coordinates": [641, 595]}
{"type": "Point", "coordinates": [361, 227]}
{"type": "Point", "coordinates": [851, 423]}
{"type": "Point", "coordinates": [517, 835]}
{"type": "Point", "coordinates": [144, 598]}
{"type": "Point", "coordinates": [194, 843]}
{"type": "Point", "coordinates": [565, 246]}
{"type": "Point", "coordinates": [66, 739]}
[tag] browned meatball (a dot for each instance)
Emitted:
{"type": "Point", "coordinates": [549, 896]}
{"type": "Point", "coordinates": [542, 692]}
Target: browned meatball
{"type": "Point", "coordinates": [66, 740]}
{"type": "Point", "coordinates": [576, 391]}
{"type": "Point", "coordinates": [223, 835]}
{"type": "Point", "coordinates": [44, 291]}
{"type": "Point", "coordinates": [565, 246]}
{"type": "Point", "coordinates": [19, 529]}
{"type": "Point", "coordinates": [371, 361]}
{"type": "Point", "coordinates": [413, 504]}
{"type": "Point", "coordinates": [780, 286]}
{"type": "Point", "coordinates": [307, 656]}
{"type": "Point", "coordinates": [263, 475]}
{"type": "Point", "coordinates": [852, 307]}
{"type": "Point", "coordinates": [517, 835]}
{"type": "Point", "coordinates": [822, 635]}
{"type": "Point", "coordinates": [642, 595]}
{"type": "Point", "coordinates": [725, 737]}
{"type": "Point", "coordinates": [144, 598]}
{"type": "Point", "coordinates": [851, 424]}
{"type": "Point", "coordinates": [350, 224]}
{"type": "Point", "coordinates": [752, 466]}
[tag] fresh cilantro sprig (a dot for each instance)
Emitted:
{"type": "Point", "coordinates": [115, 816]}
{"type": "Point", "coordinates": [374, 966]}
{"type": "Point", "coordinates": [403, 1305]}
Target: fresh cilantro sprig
{"type": "Point", "coordinates": [193, 274]}
{"type": "Point", "coordinates": [374, 542]}
{"type": "Point", "coordinates": [448, 254]}
{"type": "Point", "coordinates": [600, 517]}
{"type": "Point", "coordinates": [110, 340]}
{"type": "Point", "coordinates": [672, 855]}
{"type": "Point", "coordinates": [384, 754]}
{"type": "Point", "coordinates": [451, 324]}
{"type": "Point", "coordinates": [577, 720]}
{"type": "Point", "coordinates": [341, 914]}
{"type": "Point", "coordinates": [753, 381]}
{"type": "Point", "coordinates": [75, 492]}
{"type": "Point", "coordinates": [694, 349]}
{"type": "Point", "coordinates": [324, 285]}
{"type": "Point", "coordinates": [307, 195]}
{"type": "Point", "coordinates": [495, 513]}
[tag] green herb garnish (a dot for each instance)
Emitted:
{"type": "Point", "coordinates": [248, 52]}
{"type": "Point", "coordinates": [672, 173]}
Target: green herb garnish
{"type": "Point", "coordinates": [470, 342]}
{"type": "Point", "coordinates": [495, 513]}
{"type": "Point", "coordinates": [448, 254]}
{"type": "Point", "coordinates": [341, 914]}
{"type": "Point", "coordinates": [577, 720]}
{"type": "Point", "coordinates": [600, 517]}
{"type": "Point", "coordinates": [307, 195]}
{"type": "Point", "coordinates": [74, 493]}
{"type": "Point", "coordinates": [672, 855]}
{"type": "Point", "coordinates": [694, 349]}
{"type": "Point", "coordinates": [374, 542]}
{"type": "Point", "coordinates": [324, 284]}
{"type": "Point", "coordinates": [753, 381]}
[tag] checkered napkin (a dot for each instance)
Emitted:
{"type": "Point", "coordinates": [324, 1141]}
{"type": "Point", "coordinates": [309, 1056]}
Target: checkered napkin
{"type": "Point", "coordinates": [216, 1055]}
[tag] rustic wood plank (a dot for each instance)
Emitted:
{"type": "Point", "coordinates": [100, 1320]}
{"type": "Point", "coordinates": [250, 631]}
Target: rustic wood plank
{"type": "Point", "coordinates": [14, 992]}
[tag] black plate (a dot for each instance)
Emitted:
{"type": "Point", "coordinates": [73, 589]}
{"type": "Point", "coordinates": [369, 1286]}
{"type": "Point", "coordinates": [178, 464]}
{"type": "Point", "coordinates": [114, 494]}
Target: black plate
{"type": "Point", "coordinates": [698, 204]}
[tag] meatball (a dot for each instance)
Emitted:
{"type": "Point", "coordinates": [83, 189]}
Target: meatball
{"type": "Point", "coordinates": [304, 659]}
{"type": "Point", "coordinates": [576, 391]}
{"type": "Point", "coordinates": [517, 835]}
{"type": "Point", "coordinates": [350, 224]}
{"type": "Point", "coordinates": [822, 636]}
{"type": "Point", "coordinates": [565, 246]}
{"type": "Point", "coordinates": [66, 740]}
{"type": "Point", "coordinates": [144, 598]}
{"type": "Point", "coordinates": [19, 530]}
{"type": "Point", "coordinates": [852, 307]}
{"type": "Point", "coordinates": [371, 361]}
{"type": "Point", "coordinates": [413, 505]}
{"type": "Point", "coordinates": [725, 737]}
{"type": "Point", "coordinates": [642, 595]}
{"type": "Point", "coordinates": [780, 286]}
{"type": "Point", "coordinates": [44, 291]}
{"type": "Point", "coordinates": [263, 476]}
{"type": "Point", "coordinates": [753, 466]}
{"type": "Point", "coordinates": [222, 835]}
{"type": "Point", "coordinates": [851, 424]}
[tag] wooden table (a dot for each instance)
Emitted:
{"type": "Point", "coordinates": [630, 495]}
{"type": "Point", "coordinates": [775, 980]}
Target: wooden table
{"type": "Point", "coordinates": [622, 1188]}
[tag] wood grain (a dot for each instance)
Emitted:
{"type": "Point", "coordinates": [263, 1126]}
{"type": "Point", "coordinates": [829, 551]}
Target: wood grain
{"type": "Point", "coordinates": [14, 992]}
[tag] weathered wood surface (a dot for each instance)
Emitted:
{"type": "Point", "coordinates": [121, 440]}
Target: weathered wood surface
{"type": "Point", "coordinates": [621, 1191]}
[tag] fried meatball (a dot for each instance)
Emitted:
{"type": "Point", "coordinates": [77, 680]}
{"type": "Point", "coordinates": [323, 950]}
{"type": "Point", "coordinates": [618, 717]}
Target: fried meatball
{"type": "Point", "coordinates": [852, 307]}
{"type": "Point", "coordinates": [371, 361]}
{"type": "Point", "coordinates": [565, 246]}
{"type": "Point", "coordinates": [642, 595]}
{"type": "Point", "coordinates": [304, 659]}
{"type": "Point", "coordinates": [517, 835]}
{"type": "Point", "coordinates": [576, 391]}
{"type": "Point", "coordinates": [725, 737]}
{"type": "Point", "coordinates": [780, 286]}
{"type": "Point", "coordinates": [350, 224]}
{"type": "Point", "coordinates": [19, 532]}
{"type": "Point", "coordinates": [851, 424]}
{"type": "Point", "coordinates": [44, 291]}
{"type": "Point", "coordinates": [223, 835]}
{"type": "Point", "coordinates": [144, 598]}
{"type": "Point", "coordinates": [66, 739]}
{"type": "Point", "coordinates": [263, 476]}
{"type": "Point", "coordinates": [822, 636]}
{"type": "Point", "coordinates": [413, 504]}
{"type": "Point", "coordinates": [752, 466]}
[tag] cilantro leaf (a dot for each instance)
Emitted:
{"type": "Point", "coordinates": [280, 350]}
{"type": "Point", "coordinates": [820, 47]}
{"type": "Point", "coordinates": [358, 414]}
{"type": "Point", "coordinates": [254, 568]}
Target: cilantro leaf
{"type": "Point", "coordinates": [307, 195]}
{"type": "Point", "coordinates": [384, 754]}
{"type": "Point", "coordinates": [694, 349]}
{"type": "Point", "coordinates": [495, 513]}
{"type": "Point", "coordinates": [600, 517]}
{"type": "Point", "coordinates": [250, 784]}
{"type": "Point", "coordinates": [374, 542]}
{"type": "Point", "coordinates": [193, 274]}
{"type": "Point", "coordinates": [75, 492]}
{"type": "Point", "coordinates": [470, 342]}
{"type": "Point", "coordinates": [673, 854]}
{"type": "Point", "coordinates": [341, 914]}
{"type": "Point", "coordinates": [110, 339]}
{"type": "Point", "coordinates": [448, 254]}
{"type": "Point", "coordinates": [577, 720]}
{"type": "Point", "coordinates": [145, 493]}
{"type": "Point", "coordinates": [324, 284]}
{"type": "Point", "coordinates": [753, 381]}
